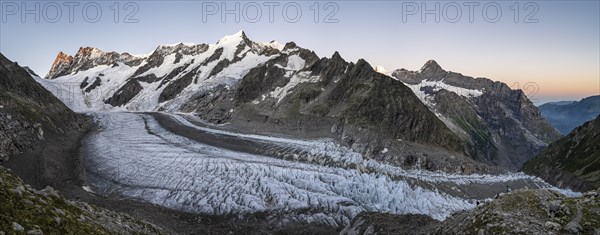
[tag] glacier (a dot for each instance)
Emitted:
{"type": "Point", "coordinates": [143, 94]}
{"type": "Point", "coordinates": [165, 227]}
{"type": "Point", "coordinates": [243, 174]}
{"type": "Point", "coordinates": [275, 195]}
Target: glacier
{"type": "Point", "coordinates": [132, 155]}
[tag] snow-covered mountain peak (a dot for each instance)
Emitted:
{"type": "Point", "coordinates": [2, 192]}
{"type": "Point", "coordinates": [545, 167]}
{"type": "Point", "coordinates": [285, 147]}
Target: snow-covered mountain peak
{"type": "Point", "coordinates": [468, 105]}
{"type": "Point", "coordinates": [179, 48]}
{"type": "Point", "coordinates": [234, 39]}
{"type": "Point", "coordinates": [179, 44]}
{"type": "Point", "coordinates": [90, 52]}
{"type": "Point", "coordinates": [380, 69]}
{"type": "Point", "coordinates": [86, 58]}
{"type": "Point", "coordinates": [273, 44]}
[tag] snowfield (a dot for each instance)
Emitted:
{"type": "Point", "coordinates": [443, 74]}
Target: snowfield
{"type": "Point", "coordinates": [439, 85]}
{"type": "Point", "coordinates": [76, 95]}
{"type": "Point", "coordinates": [134, 156]}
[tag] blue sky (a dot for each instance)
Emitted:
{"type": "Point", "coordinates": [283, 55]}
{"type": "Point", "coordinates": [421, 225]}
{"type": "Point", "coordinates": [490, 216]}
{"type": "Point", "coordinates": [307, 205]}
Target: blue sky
{"type": "Point", "coordinates": [560, 53]}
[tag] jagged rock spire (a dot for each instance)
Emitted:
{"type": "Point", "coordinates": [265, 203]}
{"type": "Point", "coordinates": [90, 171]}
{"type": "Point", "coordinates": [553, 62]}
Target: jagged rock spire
{"type": "Point", "coordinates": [61, 63]}
{"type": "Point", "coordinates": [431, 65]}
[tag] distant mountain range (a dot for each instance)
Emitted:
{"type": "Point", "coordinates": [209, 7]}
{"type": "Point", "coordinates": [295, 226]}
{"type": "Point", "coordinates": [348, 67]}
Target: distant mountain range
{"type": "Point", "coordinates": [431, 119]}
{"type": "Point", "coordinates": [566, 115]}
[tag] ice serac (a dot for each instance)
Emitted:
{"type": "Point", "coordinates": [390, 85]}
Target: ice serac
{"type": "Point", "coordinates": [201, 168]}
{"type": "Point", "coordinates": [572, 161]}
{"type": "Point", "coordinates": [501, 125]}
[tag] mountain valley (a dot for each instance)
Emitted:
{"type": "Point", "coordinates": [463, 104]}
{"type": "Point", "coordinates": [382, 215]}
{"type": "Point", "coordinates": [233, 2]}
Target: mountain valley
{"type": "Point", "coordinates": [240, 137]}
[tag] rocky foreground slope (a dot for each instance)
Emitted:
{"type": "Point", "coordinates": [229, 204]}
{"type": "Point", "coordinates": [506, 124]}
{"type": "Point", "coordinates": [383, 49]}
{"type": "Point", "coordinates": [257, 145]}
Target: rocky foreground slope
{"type": "Point", "coordinates": [572, 161]}
{"type": "Point", "coordinates": [29, 114]}
{"type": "Point", "coordinates": [539, 211]}
{"type": "Point", "coordinates": [501, 126]}
{"type": "Point", "coordinates": [35, 132]}
{"type": "Point", "coordinates": [27, 210]}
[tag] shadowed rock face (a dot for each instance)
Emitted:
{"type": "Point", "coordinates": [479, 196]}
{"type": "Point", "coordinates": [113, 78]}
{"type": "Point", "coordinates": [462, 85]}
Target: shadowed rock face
{"type": "Point", "coordinates": [364, 109]}
{"type": "Point", "coordinates": [125, 93]}
{"type": "Point", "coordinates": [501, 125]}
{"type": "Point", "coordinates": [572, 161]}
{"type": "Point", "coordinates": [352, 102]}
{"type": "Point", "coordinates": [29, 113]}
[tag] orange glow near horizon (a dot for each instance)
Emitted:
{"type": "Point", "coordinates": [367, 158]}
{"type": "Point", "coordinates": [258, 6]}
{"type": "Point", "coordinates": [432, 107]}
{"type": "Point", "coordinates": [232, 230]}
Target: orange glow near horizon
{"type": "Point", "coordinates": [555, 80]}
{"type": "Point", "coordinates": [576, 85]}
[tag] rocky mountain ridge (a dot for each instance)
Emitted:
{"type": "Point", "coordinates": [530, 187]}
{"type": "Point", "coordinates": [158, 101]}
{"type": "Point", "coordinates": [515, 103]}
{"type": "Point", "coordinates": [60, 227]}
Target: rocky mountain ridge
{"type": "Point", "coordinates": [501, 126]}
{"type": "Point", "coordinates": [289, 89]}
{"type": "Point", "coordinates": [270, 87]}
{"type": "Point", "coordinates": [30, 113]}
{"type": "Point", "coordinates": [572, 161]}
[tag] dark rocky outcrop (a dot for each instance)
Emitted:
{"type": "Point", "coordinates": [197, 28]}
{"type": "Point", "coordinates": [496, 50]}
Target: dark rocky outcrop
{"type": "Point", "coordinates": [175, 87]}
{"type": "Point", "coordinates": [259, 81]}
{"type": "Point", "coordinates": [572, 161]}
{"type": "Point", "coordinates": [30, 71]}
{"type": "Point", "coordinates": [125, 93]}
{"type": "Point", "coordinates": [368, 223]}
{"type": "Point", "coordinates": [29, 113]}
{"type": "Point", "coordinates": [351, 102]}
{"type": "Point", "coordinates": [379, 102]}
{"type": "Point", "coordinates": [96, 83]}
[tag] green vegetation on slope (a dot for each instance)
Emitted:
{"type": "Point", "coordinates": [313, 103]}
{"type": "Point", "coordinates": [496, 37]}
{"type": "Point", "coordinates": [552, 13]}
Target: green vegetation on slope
{"type": "Point", "coordinates": [26, 210]}
{"type": "Point", "coordinates": [573, 160]}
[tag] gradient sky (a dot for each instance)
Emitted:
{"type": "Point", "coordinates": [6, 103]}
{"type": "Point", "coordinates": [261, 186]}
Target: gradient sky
{"type": "Point", "coordinates": [560, 53]}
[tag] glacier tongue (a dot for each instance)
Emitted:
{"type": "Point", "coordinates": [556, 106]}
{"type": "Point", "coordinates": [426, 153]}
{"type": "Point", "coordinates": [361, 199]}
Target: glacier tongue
{"type": "Point", "coordinates": [134, 156]}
